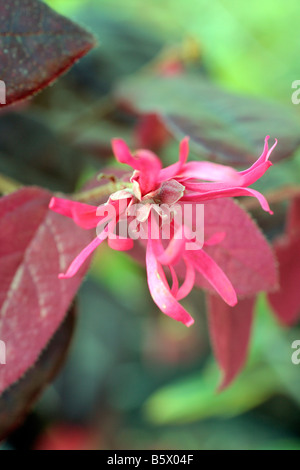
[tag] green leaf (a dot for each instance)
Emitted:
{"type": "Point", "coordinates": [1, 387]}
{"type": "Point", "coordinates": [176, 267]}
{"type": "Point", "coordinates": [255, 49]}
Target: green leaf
{"type": "Point", "coordinates": [269, 371]}
{"type": "Point", "coordinates": [196, 398]}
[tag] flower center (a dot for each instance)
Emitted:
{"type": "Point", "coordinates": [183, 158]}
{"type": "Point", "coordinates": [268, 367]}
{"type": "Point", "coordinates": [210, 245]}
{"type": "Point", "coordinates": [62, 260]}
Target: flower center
{"type": "Point", "coordinates": [140, 206]}
{"type": "Point", "coordinates": [168, 193]}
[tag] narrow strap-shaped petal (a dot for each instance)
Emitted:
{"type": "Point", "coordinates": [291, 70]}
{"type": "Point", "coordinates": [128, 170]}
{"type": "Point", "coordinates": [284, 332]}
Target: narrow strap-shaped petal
{"type": "Point", "coordinates": [149, 167]}
{"type": "Point", "coordinates": [208, 171]}
{"type": "Point", "coordinates": [85, 253]}
{"type": "Point", "coordinates": [175, 283]}
{"type": "Point", "coordinates": [251, 176]}
{"type": "Point", "coordinates": [160, 290]}
{"type": "Point", "coordinates": [215, 239]}
{"type": "Point", "coordinates": [110, 214]}
{"type": "Point", "coordinates": [66, 206]}
{"type": "Point", "coordinates": [120, 243]}
{"type": "Point", "coordinates": [246, 179]}
{"type": "Point", "coordinates": [205, 187]}
{"type": "Point", "coordinates": [88, 219]}
{"type": "Point", "coordinates": [227, 175]}
{"type": "Point", "coordinates": [184, 150]}
{"type": "Point", "coordinates": [256, 171]}
{"type": "Point", "coordinates": [264, 156]}
{"type": "Point", "coordinates": [116, 241]}
{"type": "Point", "coordinates": [229, 192]}
{"type": "Point", "coordinates": [82, 214]}
{"type": "Point", "coordinates": [174, 250]}
{"type": "Point", "coordinates": [172, 170]}
{"type": "Point", "coordinates": [123, 154]}
{"type": "Point", "coordinates": [189, 280]}
{"type": "Point", "coordinates": [145, 161]}
{"type": "Point", "coordinates": [209, 269]}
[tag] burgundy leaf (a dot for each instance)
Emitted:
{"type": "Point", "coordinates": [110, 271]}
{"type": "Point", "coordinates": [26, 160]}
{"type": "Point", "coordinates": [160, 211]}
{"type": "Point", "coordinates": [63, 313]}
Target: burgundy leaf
{"type": "Point", "coordinates": [222, 126]}
{"type": "Point", "coordinates": [230, 329]}
{"type": "Point", "coordinates": [64, 436]}
{"type": "Point", "coordinates": [244, 254]}
{"type": "Point", "coordinates": [293, 217]}
{"type": "Point", "coordinates": [36, 46]}
{"type": "Point", "coordinates": [286, 302]}
{"type": "Point", "coordinates": [150, 133]}
{"type": "Point", "coordinates": [17, 401]}
{"type": "Point", "coordinates": [36, 244]}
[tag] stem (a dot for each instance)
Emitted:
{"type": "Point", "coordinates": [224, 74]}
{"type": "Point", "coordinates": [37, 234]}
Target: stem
{"type": "Point", "coordinates": [8, 185]}
{"type": "Point", "coordinates": [101, 191]}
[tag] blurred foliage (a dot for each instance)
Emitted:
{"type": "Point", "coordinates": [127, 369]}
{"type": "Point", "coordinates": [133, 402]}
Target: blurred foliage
{"type": "Point", "coordinates": [252, 50]}
{"type": "Point", "coordinates": [224, 127]}
{"type": "Point", "coordinates": [135, 378]}
{"type": "Point", "coordinates": [269, 371]}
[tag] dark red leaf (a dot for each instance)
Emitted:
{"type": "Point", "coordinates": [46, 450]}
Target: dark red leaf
{"type": "Point", "coordinates": [244, 254]}
{"type": "Point", "coordinates": [222, 126]}
{"type": "Point", "coordinates": [65, 436]}
{"type": "Point", "coordinates": [286, 302]}
{"type": "Point", "coordinates": [230, 329]}
{"type": "Point", "coordinates": [17, 401]}
{"type": "Point", "coordinates": [36, 46]}
{"type": "Point", "coordinates": [36, 244]}
{"type": "Point", "coordinates": [150, 133]}
{"type": "Point", "coordinates": [293, 217]}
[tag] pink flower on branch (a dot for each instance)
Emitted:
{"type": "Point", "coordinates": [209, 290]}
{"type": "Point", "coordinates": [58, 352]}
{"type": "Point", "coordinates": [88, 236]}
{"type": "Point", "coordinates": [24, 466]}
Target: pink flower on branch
{"type": "Point", "coordinates": [150, 201]}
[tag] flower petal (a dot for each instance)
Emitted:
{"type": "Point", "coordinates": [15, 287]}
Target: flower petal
{"type": "Point", "coordinates": [208, 171]}
{"type": "Point", "coordinates": [215, 239]}
{"type": "Point", "coordinates": [85, 253]}
{"type": "Point", "coordinates": [263, 158]}
{"type": "Point", "coordinates": [205, 265]}
{"type": "Point", "coordinates": [120, 243]}
{"type": "Point", "coordinates": [175, 283]}
{"type": "Point", "coordinates": [172, 170]}
{"type": "Point", "coordinates": [228, 192]}
{"type": "Point", "coordinates": [174, 250]}
{"type": "Point", "coordinates": [238, 179]}
{"type": "Point", "coordinates": [189, 281]}
{"type": "Point", "coordinates": [83, 215]}
{"type": "Point", "coordinates": [145, 162]}
{"type": "Point", "coordinates": [160, 290]}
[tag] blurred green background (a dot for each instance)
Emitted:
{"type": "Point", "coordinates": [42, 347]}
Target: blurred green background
{"type": "Point", "coordinates": [135, 379]}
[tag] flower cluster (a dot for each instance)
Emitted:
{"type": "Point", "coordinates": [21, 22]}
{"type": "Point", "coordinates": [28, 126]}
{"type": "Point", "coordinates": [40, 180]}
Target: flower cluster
{"type": "Point", "coordinates": [162, 205]}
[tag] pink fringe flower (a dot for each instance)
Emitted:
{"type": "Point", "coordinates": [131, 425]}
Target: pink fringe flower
{"type": "Point", "coordinates": [149, 201]}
